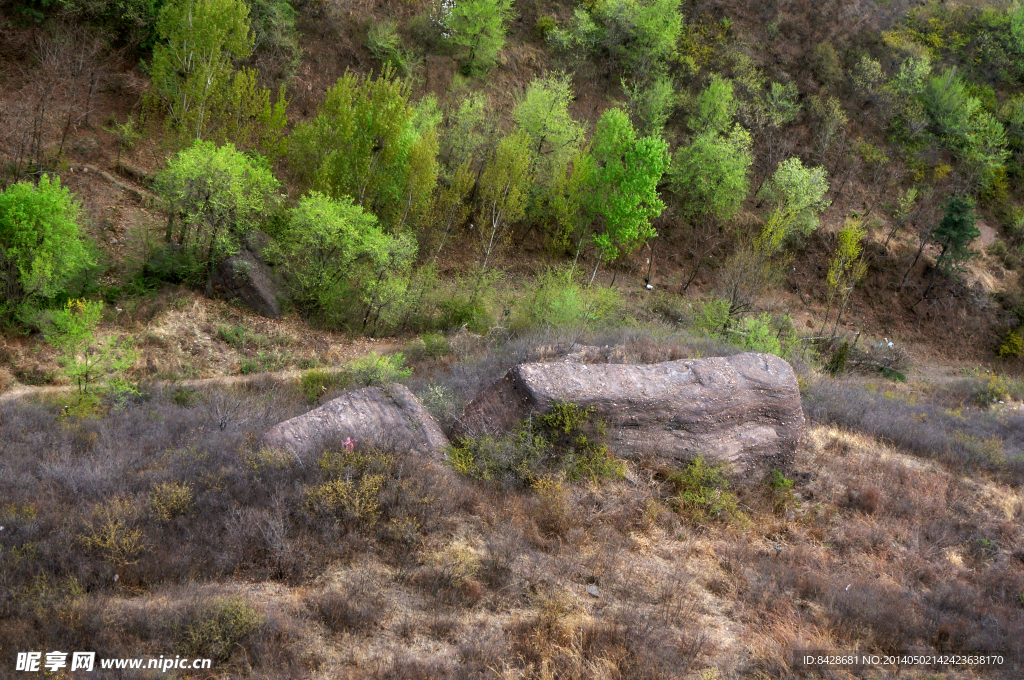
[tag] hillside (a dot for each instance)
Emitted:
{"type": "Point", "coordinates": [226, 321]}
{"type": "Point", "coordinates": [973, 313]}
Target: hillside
{"type": "Point", "coordinates": [218, 214]}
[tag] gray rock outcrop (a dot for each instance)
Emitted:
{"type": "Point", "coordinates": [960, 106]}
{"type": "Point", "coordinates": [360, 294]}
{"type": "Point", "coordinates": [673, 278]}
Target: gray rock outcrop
{"type": "Point", "coordinates": [389, 417]}
{"type": "Point", "coordinates": [246, 277]}
{"type": "Point", "coordinates": [744, 409]}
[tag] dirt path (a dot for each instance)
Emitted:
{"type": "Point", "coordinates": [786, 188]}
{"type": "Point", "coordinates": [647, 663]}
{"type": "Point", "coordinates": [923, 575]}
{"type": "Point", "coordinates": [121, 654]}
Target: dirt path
{"type": "Point", "coordinates": [28, 391]}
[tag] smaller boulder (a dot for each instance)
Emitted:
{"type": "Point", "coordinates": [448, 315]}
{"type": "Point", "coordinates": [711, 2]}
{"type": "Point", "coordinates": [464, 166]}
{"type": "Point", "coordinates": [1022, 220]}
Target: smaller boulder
{"type": "Point", "coordinates": [389, 417]}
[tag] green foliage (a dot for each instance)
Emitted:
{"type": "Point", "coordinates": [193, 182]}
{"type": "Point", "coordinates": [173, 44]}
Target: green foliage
{"type": "Point", "coordinates": [566, 439]}
{"type": "Point", "coordinates": [41, 247]}
{"type": "Point", "coordinates": [702, 492]}
{"type": "Point", "coordinates": [478, 27]}
{"type": "Point", "coordinates": [339, 257]}
{"type": "Point", "coordinates": [377, 371]}
{"type": "Point", "coordinates": [127, 134]}
{"type": "Point", "coordinates": [217, 629]}
{"type": "Point", "coordinates": [459, 311]}
{"type": "Point", "coordinates": [385, 44]}
{"type": "Point", "coordinates": [624, 186]}
{"type": "Point", "coordinates": [502, 193]}
{"type": "Point", "coordinates": [715, 107]}
{"type": "Point", "coordinates": [797, 195]}
{"type": "Point", "coordinates": [559, 299]}
{"type": "Point", "coordinates": [1012, 345]}
{"type": "Point", "coordinates": [131, 21]}
{"type": "Point", "coordinates": [965, 126]}
{"type": "Point", "coordinates": [86, 360]}
{"type": "Point", "coordinates": [214, 197]}
{"type": "Point", "coordinates": [651, 102]}
{"type": "Point", "coordinates": [712, 317]}
{"type": "Point", "coordinates": [847, 267]}
{"type": "Point", "coordinates": [275, 36]}
{"type": "Point", "coordinates": [249, 119]}
{"type": "Point", "coordinates": [636, 36]}
{"type": "Point", "coordinates": [993, 390]}
{"type": "Point", "coordinates": [755, 334]}
{"type": "Point", "coordinates": [955, 232]}
{"type": "Point", "coordinates": [193, 62]}
{"type": "Point", "coordinates": [711, 176]}
{"type": "Point", "coordinates": [543, 114]}
{"type": "Point", "coordinates": [837, 361]}
{"type": "Point", "coordinates": [316, 382]}
{"type": "Point", "coordinates": [782, 492]}
{"type": "Point", "coordinates": [826, 64]}
{"type": "Point", "coordinates": [829, 120]}
{"type": "Point", "coordinates": [554, 147]}
{"type": "Point", "coordinates": [365, 142]}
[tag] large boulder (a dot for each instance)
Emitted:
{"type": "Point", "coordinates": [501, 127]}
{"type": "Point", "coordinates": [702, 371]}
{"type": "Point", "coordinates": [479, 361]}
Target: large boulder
{"type": "Point", "coordinates": [744, 409]}
{"type": "Point", "coordinates": [388, 417]}
{"type": "Point", "coordinates": [245, 276]}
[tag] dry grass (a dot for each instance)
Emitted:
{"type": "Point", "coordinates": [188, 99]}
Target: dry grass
{"type": "Point", "coordinates": [214, 542]}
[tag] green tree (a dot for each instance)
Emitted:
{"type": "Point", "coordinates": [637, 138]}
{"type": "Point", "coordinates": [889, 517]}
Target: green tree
{"type": "Point", "coordinates": [249, 120]}
{"type": "Point", "coordinates": [715, 107]}
{"type": "Point", "coordinates": [368, 142]}
{"type": "Point", "coordinates": [846, 269]}
{"type": "Point", "coordinates": [479, 26]}
{"type": "Point", "coordinates": [953, 234]}
{"type": "Point", "coordinates": [636, 36]}
{"type": "Point", "coordinates": [710, 176]}
{"type": "Point", "coordinates": [651, 102]}
{"type": "Point", "coordinates": [41, 245]}
{"type": "Point", "coordinates": [503, 189]}
{"type": "Point", "coordinates": [624, 186]}
{"type": "Point", "coordinates": [85, 359]}
{"type": "Point", "coordinates": [338, 255]}
{"type": "Point", "coordinates": [215, 195]}
{"type": "Point", "coordinates": [193, 63]}
{"type": "Point", "coordinates": [555, 137]}
{"type": "Point", "coordinates": [797, 195]}
{"type": "Point", "coordinates": [543, 114]}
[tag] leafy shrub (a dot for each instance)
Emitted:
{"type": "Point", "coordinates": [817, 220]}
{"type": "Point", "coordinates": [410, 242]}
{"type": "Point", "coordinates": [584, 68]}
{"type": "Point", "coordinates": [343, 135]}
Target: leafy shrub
{"type": "Point", "coordinates": [171, 500]}
{"type": "Point", "coordinates": [1012, 345]}
{"type": "Point", "coordinates": [639, 36]}
{"type": "Point", "coordinates": [756, 334]}
{"type": "Point", "coordinates": [344, 266]}
{"type": "Point", "coordinates": [478, 26]}
{"type": "Point", "coordinates": [353, 487]}
{"type": "Point", "coordinates": [274, 34]}
{"type": "Point", "coordinates": [566, 439]}
{"type": "Point", "coordinates": [558, 299]}
{"type": "Point", "coordinates": [712, 317]}
{"type": "Point", "coordinates": [216, 629]}
{"type": "Point", "coordinates": [111, 534]}
{"type": "Point", "coordinates": [215, 196]}
{"type": "Point", "coordinates": [469, 312]}
{"type": "Point", "coordinates": [837, 361]}
{"type": "Point", "coordinates": [186, 397]}
{"type": "Point", "coordinates": [375, 370]}
{"type": "Point", "coordinates": [368, 141]}
{"type": "Point", "coordinates": [782, 491]}
{"type": "Point", "coordinates": [385, 44]}
{"type": "Point", "coordinates": [41, 246]}
{"type": "Point", "coordinates": [994, 390]}
{"type": "Point", "coordinates": [86, 360]}
{"type": "Point", "coordinates": [316, 382]}
{"type": "Point", "coordinates": [702, 492]}
{"type": "Point", "coordinates": [545, 24]}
